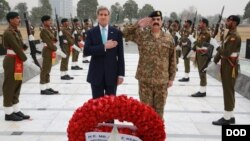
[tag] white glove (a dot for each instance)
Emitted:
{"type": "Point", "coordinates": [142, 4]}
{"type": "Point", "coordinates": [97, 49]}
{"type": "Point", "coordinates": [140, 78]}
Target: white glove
{"type": "Point", "coordinates": [76, 48]}
{"type": "Point", "coordinates": [60, 53]}
{"type": "Point", "coordinates": [178, 47]}
{"type": "Point", "coordinates": [212, 64]}
{"type": "Point", "coordinates": [191, 38]}
{"type": "Point", "coordinates": [29, 63]}
{"type": "Point", "coordinates": [203, 48]}
{"type": "Point", "coordinates": [190, 54]}
{"type": "Point", "coordinates": [31, 38]}
{"type": "Point", "coordinates": [82, 42]}
{"type": "Point", "coordinates": [214, 42]}
{"type": "Point", "coordinates": [60, 33]}
{"type": "Point", "coordinates": [83, 31]}
{"type": "Point", "coordinates": [178, 35]}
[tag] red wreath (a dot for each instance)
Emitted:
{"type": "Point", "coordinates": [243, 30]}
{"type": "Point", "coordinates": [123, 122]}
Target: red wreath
{"type": "Point", "coordinates": [150, 127]}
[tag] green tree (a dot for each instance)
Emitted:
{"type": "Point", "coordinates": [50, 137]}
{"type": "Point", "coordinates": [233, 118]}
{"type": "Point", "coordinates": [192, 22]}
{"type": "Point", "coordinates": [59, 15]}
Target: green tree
{"type": "Point", "coordinates": [130, 9]}
{"type": "Point", "coordinates": [174, 16]}
{"type": "Point", "coordinates": [21, 8]}
{"type": "Point", "coordinates": [38, 12]}
{"type": "Point", "coordinates": [116, 13]}
{"type": "Point", "coordinates": [86, 9]}
{"type": "Point", "coordinates": [145, 11]}
{"type": "Point", "coordinates": [247, 11]}
{"type": "Point", "coordinates": [4, 8]}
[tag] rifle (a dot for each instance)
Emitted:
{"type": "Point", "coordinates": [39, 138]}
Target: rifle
{"type": "Point", "coordinates": [60, 37]}
{"type": "Point", "coordinates": [216, 30]}
{"type": "Point", "coordinates": [32, 44]}
{"type": "Point", "coordinates": [193, 24]}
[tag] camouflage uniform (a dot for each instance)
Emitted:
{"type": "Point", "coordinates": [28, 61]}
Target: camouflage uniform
{"type": "Point", "coordinates": [185, 45]}
{"type": "Point", "coordinates": [201, 59]}
{"type": "Point", "coordinates": [157, 65]}
{"type": "Point", "coordinates": [229, 67]}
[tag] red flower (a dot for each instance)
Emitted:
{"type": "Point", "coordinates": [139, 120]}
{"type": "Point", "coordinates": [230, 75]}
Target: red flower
{"type": "Point", "coordinates": [150, 126]}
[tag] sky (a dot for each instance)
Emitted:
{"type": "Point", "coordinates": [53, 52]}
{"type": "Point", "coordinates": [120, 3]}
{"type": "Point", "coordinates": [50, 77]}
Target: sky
{"type": "Point", "coordinates": [204, 7]}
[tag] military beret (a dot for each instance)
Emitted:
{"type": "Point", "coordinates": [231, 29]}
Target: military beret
{"type": "Point", "coordinates": [156, 14]}
{"type": "Point", "coordinates": [11, 15]}
{"type": "Point", "coordinates": [176, 21]}
{"type": "Point", "coordinates": [234, 18]}
{"type": "Point", "coordinates": [45, 18]}
{"type": "Point", "coordinates": [85, 20]}
{"type": "Point", "coordinates": [75, 20]}
{"type": "Point", "coordinates": [189, 22]}
{"type": "Point", "coordinates": [204, 20]}
{"type": "Point", "coordinates": [64, 20]}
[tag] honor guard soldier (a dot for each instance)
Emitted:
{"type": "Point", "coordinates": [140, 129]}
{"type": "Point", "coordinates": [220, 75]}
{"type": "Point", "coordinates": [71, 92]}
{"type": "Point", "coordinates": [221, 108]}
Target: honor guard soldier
{"type": "Point", "coordinates": [86, 27]}
{"type": "Point", "coordinates": [176, 36]}
{"type": "Point", "coordinates": [228, 54]}
{"type": "Point", "coordinates": [79, 42]}
{"type": "Point", "coordinates": [68, 45]}
{"type": "Point", "coordinates": [185, 45]}
{"type": "Point", "coordinates": [49, 55]}
{"type": "Point", "coordinates": [13, 65]}
{"type": "Point", "coordinates": [157, 61]}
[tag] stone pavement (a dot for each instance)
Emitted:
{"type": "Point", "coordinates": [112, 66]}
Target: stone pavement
{"type": "Point", "coordinates": [186, 118]}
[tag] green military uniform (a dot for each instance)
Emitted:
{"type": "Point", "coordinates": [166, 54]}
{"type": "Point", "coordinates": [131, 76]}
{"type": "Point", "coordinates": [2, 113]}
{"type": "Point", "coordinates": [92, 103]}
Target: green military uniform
{"type": "Point", "coordinates": [48, 38]}
{"type": "Point", "coordinates": [86, 27]}
{"type": "Point", "coordinates": [157, 65]}
{"type": "Point", "coordinates": [12, 40]}
{"type": "Point", "coordinates": [78, 37]}
{"type": "Point", "coordinates": [229, 67]}
{"type": "Point", "coordinates": [173, 30]}
{"type": "Point", "coordinates": [68, 41]}
{"type": "Point", "coordinates": [185, 45]}
{"type": "Point", "coordinates": [201, 59]}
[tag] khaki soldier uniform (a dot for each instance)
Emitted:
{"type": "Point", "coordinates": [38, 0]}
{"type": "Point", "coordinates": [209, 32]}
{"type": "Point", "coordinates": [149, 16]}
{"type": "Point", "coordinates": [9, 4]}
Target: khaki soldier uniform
{"type": "Point", "coordinates": [186, 46]}
{"type": "Point", "coordinates": [49, 57]}
{"type": "Point", "coordinates": [68, 41]}
{"type": "Point", "coordinates": [173, 30]}
{"type": "Point", "coordinates": [157, 65]}
{"type": "Point", "coordinates": [75, 53]}
{"type": "Point", "coordinates": [86, 27]}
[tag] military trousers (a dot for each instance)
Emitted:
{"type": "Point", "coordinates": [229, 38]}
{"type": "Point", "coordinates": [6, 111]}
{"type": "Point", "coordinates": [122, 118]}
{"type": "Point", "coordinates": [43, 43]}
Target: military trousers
{"type": "Point", "coordinates": [75, 55]}
{"type": "Point", "coordinates": [228, 83]}
{"type": "Point", "coordinates": [65, 61]}
{"type": "Point", "coordinates": [178, 55]}
{"type": "Point", "coordinates": [46, 66]}
{"type": "Point", "coordinates": [187, 65]}
{"type": "Point", "coordinates": [201, 60]}
{"type": "Point", "coordinates": [11, 87]}
{"type": "Point", "coordinates": [154, 96]}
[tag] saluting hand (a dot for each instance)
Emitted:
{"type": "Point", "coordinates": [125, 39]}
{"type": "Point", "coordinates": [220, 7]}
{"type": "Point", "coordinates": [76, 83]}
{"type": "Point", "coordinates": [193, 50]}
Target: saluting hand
{"type": "Point", "coordinates": [144, 22]}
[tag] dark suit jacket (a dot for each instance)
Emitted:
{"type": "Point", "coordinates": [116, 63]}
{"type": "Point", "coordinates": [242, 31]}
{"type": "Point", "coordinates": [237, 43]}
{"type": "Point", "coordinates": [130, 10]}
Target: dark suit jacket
{"type": "Point", "coordinates": [105, 66]}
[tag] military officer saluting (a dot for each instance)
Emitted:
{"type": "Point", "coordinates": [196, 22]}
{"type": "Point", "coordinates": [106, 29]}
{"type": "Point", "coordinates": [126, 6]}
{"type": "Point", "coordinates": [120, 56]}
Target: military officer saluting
{"type": "Point", "coordinates": [228, 54]}
{"type": "Point", "coordinates": [157, 65]}
{"type": "Point", "coordinates": [49, 55]}
{"type": "Point", "coordinates": [13, 65]}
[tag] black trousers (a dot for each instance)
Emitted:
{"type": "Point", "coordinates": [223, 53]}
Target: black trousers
{"type": "Point", "coordinates": [103, 89]}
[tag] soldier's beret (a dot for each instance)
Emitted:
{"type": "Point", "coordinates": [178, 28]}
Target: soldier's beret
{"type": "Point", "coordinates": [11, 15]}
{"type": "Point", "coordinates": [85, 20]}
{"type": "Point", "coordinates": [189, 22]}
{"type": "Point", "coordinates": [204, 20]}
{"type": "Point", "coordinates": [75, 20]}
{"type": "Point", "coordinates": [176, 21]}
{"type": "Point", "coordinates": [64, 20]}
{"type": "Point", "coordinates": [156, 14]}
{"type": "Point", "coordinates": [45, 18]}
{"type": "Point", "coordinates": [234, 18]}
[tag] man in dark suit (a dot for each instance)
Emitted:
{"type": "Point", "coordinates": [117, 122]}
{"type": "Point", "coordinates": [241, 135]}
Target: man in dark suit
{"type": "Point", "coordinates": [105, 46]}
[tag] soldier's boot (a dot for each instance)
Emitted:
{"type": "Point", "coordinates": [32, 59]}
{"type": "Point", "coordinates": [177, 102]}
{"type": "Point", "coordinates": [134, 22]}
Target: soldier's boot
{"type": "Point", "coordinates": [20, 114]}
{"type": "Point", "coordinates": [13, 117]}
{"type": "Point", "coordinates": [184, 79]}
{"type": "Point", "coordinates": [50, 89]}
{"type": "Point", "coordinates": [223, 121]}
{"type": "Point", "coordinates": [10, 115]}
{"type": "Point", "coordinates": [85, 61]}
{"type": "Point", "coordinates": [199, 94]}
{"type": "Point", "coordinates": [44, 90]}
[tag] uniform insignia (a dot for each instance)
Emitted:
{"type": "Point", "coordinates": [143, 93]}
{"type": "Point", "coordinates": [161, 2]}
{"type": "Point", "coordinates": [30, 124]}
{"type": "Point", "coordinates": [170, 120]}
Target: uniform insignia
{"type": "Point", "coordinates": [158, 13]}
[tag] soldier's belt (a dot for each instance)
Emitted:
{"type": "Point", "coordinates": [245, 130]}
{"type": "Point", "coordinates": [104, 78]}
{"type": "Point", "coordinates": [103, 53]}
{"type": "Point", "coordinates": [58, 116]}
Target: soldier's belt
{"type": "Point", "coordinates": [184, 43]}
{"type": "Point", "coordinates": [201, 50]}
{"type": "Point", "coordinates": [10, 52]}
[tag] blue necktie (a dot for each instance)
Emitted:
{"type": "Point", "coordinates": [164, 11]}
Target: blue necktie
{"type": "Point", "coordinates": [104, 38]}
